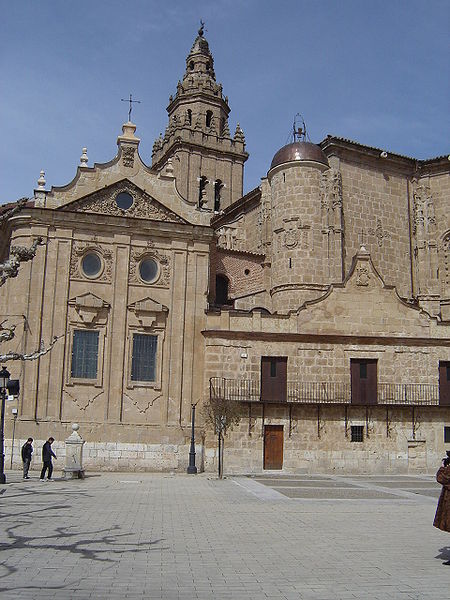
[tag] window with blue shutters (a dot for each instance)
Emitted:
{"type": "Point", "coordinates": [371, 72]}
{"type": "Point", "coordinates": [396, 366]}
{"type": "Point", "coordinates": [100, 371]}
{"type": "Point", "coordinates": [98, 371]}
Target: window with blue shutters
{"type": "Point", "coordinates": [143, 362]}
{"type": "Point", "coordinates": [84, 354]}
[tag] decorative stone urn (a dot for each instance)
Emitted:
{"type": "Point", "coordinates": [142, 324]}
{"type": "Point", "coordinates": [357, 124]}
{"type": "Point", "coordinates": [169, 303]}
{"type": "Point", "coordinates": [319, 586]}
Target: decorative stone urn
{"type": "Point", "coordinates": [74, 455]}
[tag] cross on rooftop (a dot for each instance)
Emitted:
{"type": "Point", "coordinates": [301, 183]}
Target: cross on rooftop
{"type": "Point", "coordinates": [130, 100]}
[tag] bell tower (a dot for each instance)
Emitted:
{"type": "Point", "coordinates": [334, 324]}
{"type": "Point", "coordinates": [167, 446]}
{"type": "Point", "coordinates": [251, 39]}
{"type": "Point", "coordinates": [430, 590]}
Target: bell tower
{"type": "Point", "coordinates": [207, 162]}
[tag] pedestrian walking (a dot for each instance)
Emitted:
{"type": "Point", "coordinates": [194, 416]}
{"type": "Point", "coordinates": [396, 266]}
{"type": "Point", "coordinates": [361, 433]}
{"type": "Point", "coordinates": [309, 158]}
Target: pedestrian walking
{"type": "Point", "coordinates": [27, 451]}
{"type": "Point", "coordinates": [47, 455]}
{"type": "Point", "coordinates": [442, 518]}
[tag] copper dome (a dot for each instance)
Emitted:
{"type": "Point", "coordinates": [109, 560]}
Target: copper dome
{"type": "Point", "coordinates": [299, 151]}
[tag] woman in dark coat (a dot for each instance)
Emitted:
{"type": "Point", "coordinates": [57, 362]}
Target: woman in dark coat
{"type": "Point", "coordinates": [442, 518]}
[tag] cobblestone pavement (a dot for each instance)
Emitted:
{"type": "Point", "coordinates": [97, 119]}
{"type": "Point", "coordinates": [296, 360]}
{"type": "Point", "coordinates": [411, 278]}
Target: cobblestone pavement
{"type": "Point", "coordinates": [180, 537]}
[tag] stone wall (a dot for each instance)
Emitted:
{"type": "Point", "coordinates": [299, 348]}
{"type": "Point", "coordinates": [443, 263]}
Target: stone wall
{"type": "Point", "coordinates": [322, 444]}
{"type": "Point", "coordinates": [112, 456]}
{"type": "Point", "coordinates": [376, 214]}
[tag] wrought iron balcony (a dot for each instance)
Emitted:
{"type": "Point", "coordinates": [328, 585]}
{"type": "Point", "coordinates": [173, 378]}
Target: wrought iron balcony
{"type": "Point", "coordinates": [306, 392]}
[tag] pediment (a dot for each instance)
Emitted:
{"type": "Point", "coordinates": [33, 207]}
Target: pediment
{"type": "Point", "coordinates": [88, 306]}
{"type": "Point", "coordinates": [147, 305]}
{"type": "Point", "coordinates": [89, 300]}
{"type": "Point", "coordinates": [149, 313]}
{"type": "Point", "coordinates": [363, 305]}
{"type": "Point", "coordinates": [104, 202]}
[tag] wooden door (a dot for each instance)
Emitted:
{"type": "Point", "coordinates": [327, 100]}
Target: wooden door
{"type": "Point", "coordinates": [273, 447]}
{"type": "Point", "coordinates": [444, 383]}
{"type": "Point", "coordinates": [274, 378]}
{"type": "Point", "coordinates": [364, 380]}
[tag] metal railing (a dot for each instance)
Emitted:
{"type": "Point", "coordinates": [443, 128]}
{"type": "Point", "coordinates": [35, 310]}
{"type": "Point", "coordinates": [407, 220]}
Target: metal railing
{"type": "Point", "coordinates": [408, 393]}
{"type": "Point", "coordinates": [317, 392]}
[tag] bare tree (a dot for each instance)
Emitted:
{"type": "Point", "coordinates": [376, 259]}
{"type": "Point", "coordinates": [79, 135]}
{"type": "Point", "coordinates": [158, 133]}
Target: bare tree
{"type": "Point", "coordinates": [9, 269]}
{"type": "Point", "coordinates": [221, 415]}
{"type": "Point", "coordinates": [14, 208]}
{"type": "Point", "coordinates": [17, 254]}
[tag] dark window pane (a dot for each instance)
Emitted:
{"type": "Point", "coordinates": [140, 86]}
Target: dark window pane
{"type": "Point", "coordinates": [124, 200]}
{"type": "Point", "coordinates": [91, 264]}
{"type": "Point", "coordinates": [221, 290]}
{"type": "Point", "coordinates": [273, 368]}
{"type": "Point", "coordinates": [148, 270]}
{"type": "Point", "coordinates": [448, 372]}
{"type": "Point", "coordinates": [143, 363]}
{"type": "Point", "coordinates": [357, 433]}
{"type": "Point", "coordinates": [446, 435]}
{"type": "Point", "coordinates": [363, 370]}
{"type": "Point", "coordinates": [85, 354]}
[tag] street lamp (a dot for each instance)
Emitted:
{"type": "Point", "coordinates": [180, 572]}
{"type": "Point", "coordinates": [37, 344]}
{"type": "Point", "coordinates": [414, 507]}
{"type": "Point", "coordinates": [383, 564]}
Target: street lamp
{"type": "Point", "coordinates": [4, 380]}
{"type": "Point", "coordinates": [192, 469]}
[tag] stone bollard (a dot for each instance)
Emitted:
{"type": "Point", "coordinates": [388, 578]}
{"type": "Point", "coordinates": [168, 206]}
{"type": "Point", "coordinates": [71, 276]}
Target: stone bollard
{"type": "Point", "coordinates": [74, 455]}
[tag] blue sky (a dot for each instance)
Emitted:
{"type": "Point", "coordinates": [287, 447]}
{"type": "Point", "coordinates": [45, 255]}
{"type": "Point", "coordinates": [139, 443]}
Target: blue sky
{"type": "Point", "coordinates": [372, 71]}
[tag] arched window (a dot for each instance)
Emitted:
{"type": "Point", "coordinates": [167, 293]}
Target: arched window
{"type": "Point", "coordinates": [209, 116]}
{"type": "Point", "coordinates": [189, 112]}
{"type": "Point", "coordinates": [191, 65]}
{"type": "Point", "coordinates": [218, 185]}
{"type": "Point", "coordinates": [202, 191]}
{"type": "Point", "coordinates": [222, 290]}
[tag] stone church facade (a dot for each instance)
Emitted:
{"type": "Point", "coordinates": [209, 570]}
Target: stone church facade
{"type": "Point", "coordinates": [320, 301]}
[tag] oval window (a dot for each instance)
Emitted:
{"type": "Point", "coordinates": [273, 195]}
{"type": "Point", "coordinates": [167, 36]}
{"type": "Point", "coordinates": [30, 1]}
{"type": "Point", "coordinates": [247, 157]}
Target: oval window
{"type": "Point", "coordinates": [124, 200]}
{"type": "Point", "coordinates": [148, 270]}
{"type": "Point", "coordinates": [91, 264]}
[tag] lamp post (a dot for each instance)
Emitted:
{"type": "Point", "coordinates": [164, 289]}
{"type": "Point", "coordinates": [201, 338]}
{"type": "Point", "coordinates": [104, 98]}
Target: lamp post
{"type": "Point", "coordinates": [4, 379]}
{"type": "Point", "coordinates": [192, 469]}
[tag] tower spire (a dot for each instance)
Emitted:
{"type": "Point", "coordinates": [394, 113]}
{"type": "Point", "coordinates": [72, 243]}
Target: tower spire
{"type": "Point", "coordinates": [198, 135]}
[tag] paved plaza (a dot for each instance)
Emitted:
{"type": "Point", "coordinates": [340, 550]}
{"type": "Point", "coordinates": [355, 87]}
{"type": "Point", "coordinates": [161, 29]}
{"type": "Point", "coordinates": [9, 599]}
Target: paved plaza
{"type": "Point", "coordinates": [180, 537]}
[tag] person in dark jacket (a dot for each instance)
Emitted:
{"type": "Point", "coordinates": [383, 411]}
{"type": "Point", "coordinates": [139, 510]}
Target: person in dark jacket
{"type": "Point", "coordinates": [442, 518]}
{"type": "Point", "coordinates": [47, 454]}
{"type": "Point", "coordinates": [27, 451]}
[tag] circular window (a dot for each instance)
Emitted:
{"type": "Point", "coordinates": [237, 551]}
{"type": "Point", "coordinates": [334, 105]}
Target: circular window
{"type": "Point", "coordinates": [91, 264]}
{"type": "Point", "coordinates": [148, 270]}
{"type": "Point", "coordinates": [124, 200]}
{"type": "Point", "coordinates": [247, 271]}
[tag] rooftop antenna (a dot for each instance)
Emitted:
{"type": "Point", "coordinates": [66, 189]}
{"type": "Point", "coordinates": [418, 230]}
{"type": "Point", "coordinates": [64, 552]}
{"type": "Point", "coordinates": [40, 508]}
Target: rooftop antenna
{"type": "Point", "coordinates": [299, 129]}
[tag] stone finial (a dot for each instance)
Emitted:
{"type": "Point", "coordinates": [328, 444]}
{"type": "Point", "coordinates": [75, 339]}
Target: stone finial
{"type": "Point", "coordinates": [169, 168]}
{"type": "Point", "coordinates": [363, 251]}
{"type": "Point", "coordinates": [128, 136]}
{"type": "Point", "coordinates": [198, 123]}
{"type": "Point", "coordinates": [74, 455]}
{"type": "Point", "coordinates": [239, 134]}
{"type": "Point", "coordinates": [226, 130]}
{"type": "Point", "coordinates": [167, 133]}
{"type": "Point", "coordinates": [41, 181]}
{"type": "Point", "coordinates": [84, 158]}
{"type": "Point", "coordinates": [212, 127]}
{"type": "Point", "coordinates": [128, 130]}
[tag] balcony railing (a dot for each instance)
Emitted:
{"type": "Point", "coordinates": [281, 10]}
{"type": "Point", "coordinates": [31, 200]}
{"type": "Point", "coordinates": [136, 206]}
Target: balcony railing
{"type": "Point", "coordinates": [408, 393]}
{"type": "Point", "coordinates": [306, 392]}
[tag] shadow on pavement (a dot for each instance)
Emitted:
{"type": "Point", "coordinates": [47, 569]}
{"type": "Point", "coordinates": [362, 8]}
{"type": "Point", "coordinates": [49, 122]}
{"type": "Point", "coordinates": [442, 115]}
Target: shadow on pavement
{"type": "Point", "coordinates": [444, 555]}
{"type": "Point", "coordinates": [100, 545]}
